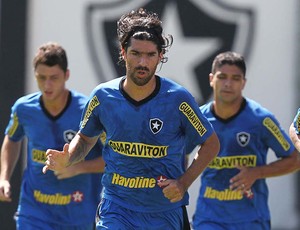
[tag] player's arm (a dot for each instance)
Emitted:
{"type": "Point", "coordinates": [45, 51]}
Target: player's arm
{"type": "Point", "coordinates": [206, 153]}
{"type": "Point", "coordinates": [72, 153]}
{"type": "Point", "coordinates": [174, 190]}
{"type": "Point", "coordinates": [248, 175]}
{"type": "Point", "coordinates": [88, 166]}
{"type": "Point", "coordinates": [294, 137]}
{"type": "Point", "coordinates": [10, 153]}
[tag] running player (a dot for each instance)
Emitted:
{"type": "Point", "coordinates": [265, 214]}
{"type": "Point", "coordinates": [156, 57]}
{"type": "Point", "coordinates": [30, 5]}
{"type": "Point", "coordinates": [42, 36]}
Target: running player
{"type": "Point", "coordinates": [233, 193]}
{"type": "Point", "coordinates": [63, 199]}
{"type": "Point", "coordinates": [146, 118]}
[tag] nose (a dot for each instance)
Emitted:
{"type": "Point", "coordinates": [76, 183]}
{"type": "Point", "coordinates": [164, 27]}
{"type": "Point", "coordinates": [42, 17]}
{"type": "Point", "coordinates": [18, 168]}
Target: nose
{"type": "Point", "coordinates": [228, 82]}
{"type": "Point", "coordinates": [47, 84]}
{"type": "Point", "coordinates": [143, 61]}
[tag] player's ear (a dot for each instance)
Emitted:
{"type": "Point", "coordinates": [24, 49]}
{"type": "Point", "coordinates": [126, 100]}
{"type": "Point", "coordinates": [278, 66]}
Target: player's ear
{"type": "Point", "coordinates": [67, 74]}
{"type": "Point", "coordinates": [211, 77]}
{"type": "Point", "coordinates": [123, 53]}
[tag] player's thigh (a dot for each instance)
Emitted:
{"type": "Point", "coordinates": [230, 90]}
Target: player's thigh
{"type": "Point", "coordinates": [113, 216]}
{"type": "Point", "coordinates": [25, 223]}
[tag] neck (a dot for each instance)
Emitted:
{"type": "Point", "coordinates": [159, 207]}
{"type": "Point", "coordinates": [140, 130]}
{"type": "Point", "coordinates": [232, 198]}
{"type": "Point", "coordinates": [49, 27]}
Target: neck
{"type": "Point", "coordinates": [137, 92]}
{"type": "Point", "coordinates": [226, 110]}
{"type": "Point", "coordinates": [55, 107]}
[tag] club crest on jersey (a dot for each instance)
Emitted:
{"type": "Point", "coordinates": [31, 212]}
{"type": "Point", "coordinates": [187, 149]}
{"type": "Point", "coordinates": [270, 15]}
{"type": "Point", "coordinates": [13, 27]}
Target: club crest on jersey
{"type": "Point", "coordinates": [155, 125]}
{"type": "Point", "coordinates": [243, 138]}
{"type": "Point", "coordinates": [69, 135]}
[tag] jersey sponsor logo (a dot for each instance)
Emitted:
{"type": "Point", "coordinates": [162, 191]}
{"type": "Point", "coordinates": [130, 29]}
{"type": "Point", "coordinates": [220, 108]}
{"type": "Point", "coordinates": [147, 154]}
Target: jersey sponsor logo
{"type": "Point", "coordinates": [224, 195]}
{"type": "Point", "coordinates": [14, 125]}
{"type": "Point", "coordinates": [155, 125]}
{"type": "Point", "coordinates": [58, 198]}
{"type": "Point", "coordinates": [193, 118]}
{"type": "Point", "coordinates": [297, 124]}
{"type": "Point", "coordinates": [103, 137]}
{"type": "Point", "coordinates": [233, 161]}
{"type": "Point", "coordinates": [133, 182]}
{"type": "Point", "coordinates": [274, 129]}
{"type": "Point", "coordinates": [52, 199]}
{"type": "Point", "coordinates": [38, 156]}
{"type": "Point", "coordinates": [69, 135]}
{"type": "Point", "coordinates": [243, 138]}
{"type": "Point", "coordinates": [138, 149]}
{"type": "Point", "coordinates": [94, 102]}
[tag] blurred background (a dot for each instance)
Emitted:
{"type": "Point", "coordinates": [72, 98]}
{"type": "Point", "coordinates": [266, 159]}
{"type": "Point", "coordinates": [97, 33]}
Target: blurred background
{"type": "Point", "coordinates": [265, 32]}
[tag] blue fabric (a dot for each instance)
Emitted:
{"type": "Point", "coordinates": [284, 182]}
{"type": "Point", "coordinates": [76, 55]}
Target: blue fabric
{"type": "Point", "coordinates": [145, 140]}
{"type": "Point", "coordinates": [71, 201]}
{"type": "Point", "coordinates": [245, 139]}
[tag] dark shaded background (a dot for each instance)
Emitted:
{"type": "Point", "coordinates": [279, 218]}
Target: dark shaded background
{"type": "Point", "coordinates": [12, 74]}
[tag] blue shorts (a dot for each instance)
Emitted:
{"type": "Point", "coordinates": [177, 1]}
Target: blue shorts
{"type": "Point", "coordinates": [25, 223]}
{"type": "Point", "coordinates": [211, 225]}
{"type": "Point", "coordinates": [113, 216]}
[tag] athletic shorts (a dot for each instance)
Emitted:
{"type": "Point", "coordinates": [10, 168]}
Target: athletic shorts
{"type": "Point", "coordinates": [26, 223]}
{"type": "Point", "coordinates": [112, 216]}
{"type": "Point", "coordinates": [210, 225]}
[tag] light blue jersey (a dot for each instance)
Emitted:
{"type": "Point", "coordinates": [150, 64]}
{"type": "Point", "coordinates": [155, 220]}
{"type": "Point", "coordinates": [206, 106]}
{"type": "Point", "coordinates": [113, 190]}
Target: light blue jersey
{"type": "Point", "coordinates": [145, 141]}
{"type": "Point", "coordinates": [71, 201]}
{"type": "Point", "coordinates": [245, 140]}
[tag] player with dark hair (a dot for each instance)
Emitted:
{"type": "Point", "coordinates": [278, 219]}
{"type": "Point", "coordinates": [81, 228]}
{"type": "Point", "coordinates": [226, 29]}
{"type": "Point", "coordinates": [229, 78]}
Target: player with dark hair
{"type": "Point", "coordinates": [233, 193]}
{"type": "Point", "coordinates": [66, 198]}
{"type": "Point", "coordinates": [146, 118]}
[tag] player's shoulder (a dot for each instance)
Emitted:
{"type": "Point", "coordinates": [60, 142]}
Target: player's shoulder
{"type": "Point", "coordinates": [257, 109]}
{"type": "Point", "coordinates": [206, 108]}
{"type": "Point", "coordinates": [78, 98]}
{"type": "Point", "coordinates": [172, 88]}
{"type": "Point", "coordinates": [28, 100]}
{"type": "Point", "coordinates": [108, 87]}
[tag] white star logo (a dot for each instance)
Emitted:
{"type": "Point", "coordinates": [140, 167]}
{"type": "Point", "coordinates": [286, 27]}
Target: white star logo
{"type": "Point", "coordinates": [243, 138]}
{"type": "Point", "coordinates": [77, 196]}
{"type": "Point", "coordinates": [185, 53]}
{"type": "Point", "coordinates": [155, 125]}
{"type": "Point", "coordinates": [161, 178]}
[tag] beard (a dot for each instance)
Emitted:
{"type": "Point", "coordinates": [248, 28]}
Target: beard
{"type": "Point", "coordinates": [145, 79]}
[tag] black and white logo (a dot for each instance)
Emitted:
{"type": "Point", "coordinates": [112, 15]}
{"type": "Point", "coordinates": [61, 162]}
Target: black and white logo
{"type": "Point", "coordinates": [243, 138]}
{"type": "Point", "coordinates": [155, 125]}
{"type": "Point", "coordinates": [69, 135]}
{"type": "Point", "coordinates": [201, 30]}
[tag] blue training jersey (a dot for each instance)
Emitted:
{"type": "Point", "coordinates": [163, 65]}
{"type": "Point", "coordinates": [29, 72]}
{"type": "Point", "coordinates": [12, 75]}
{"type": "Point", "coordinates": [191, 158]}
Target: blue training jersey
{"type": "Point", "coordinates": [145, 140]}
{"type": "Point", "coordinates": [71, 201]}
{"type": "Point", "coordinates": [245, 140]}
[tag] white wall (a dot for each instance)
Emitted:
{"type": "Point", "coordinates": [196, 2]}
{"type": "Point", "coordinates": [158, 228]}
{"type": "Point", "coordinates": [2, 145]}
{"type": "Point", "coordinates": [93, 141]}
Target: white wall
{"type": "Point", "coordinates": [272, 70]}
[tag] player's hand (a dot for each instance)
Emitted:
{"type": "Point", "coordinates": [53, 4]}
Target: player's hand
{"type": "Point", "coordinates": [244, 180]}
{"type": "Point", "coordinates": [172, 190]}
{"type": "Point", "coordinates": [5, 191]}
{"type": "Point", "coordinates": [57, 160]}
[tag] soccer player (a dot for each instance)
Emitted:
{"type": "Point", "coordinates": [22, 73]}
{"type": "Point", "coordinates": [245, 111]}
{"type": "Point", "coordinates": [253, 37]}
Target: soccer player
{"type": "Point", "coordinates": [66, 198]}
{"type": "Point", "coordinates": [146, 119]}
{"type": "Point", "coordinates": [233, 193]}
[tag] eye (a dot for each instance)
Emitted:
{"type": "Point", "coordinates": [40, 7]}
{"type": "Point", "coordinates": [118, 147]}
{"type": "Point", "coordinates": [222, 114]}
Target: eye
{"type": "Point", "coordinates": [221, 76]}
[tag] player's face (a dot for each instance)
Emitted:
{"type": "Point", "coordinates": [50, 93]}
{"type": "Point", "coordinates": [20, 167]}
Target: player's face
{"type": "Point", "coordinates": [141, 59]}
{"type": "Point", "coordinates": [228, 83]}
{"type": "Point", "coordinates": [51, 81]}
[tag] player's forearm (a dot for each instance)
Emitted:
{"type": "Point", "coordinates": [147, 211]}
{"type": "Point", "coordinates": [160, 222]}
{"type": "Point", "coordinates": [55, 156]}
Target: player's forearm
{"type": "Point", "coordinates": [10, 153]}
{"type": "Point", "coordinates": [80, 147]}
{"type": "Point", "coordinates": [280, 167]}
{"type": "Point", "coordinates": [205, 155]}
{"type": "Point", "coordinates": [91, 166]}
